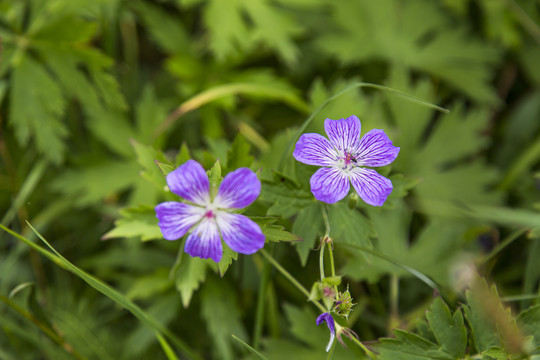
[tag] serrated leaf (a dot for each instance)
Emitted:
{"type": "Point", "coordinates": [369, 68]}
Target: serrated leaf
{"type": "Point", "coordinates": [240, 25]}
{"type": "Point", "coordinates": [138, 221]}
{"type": "Point", "coordinates": [148, 157]}
{"type": "Point", "coordinates": [226, 260]}
{"type": "Point", "coordinates": [496, 353]}
{"type": "Point", "coordinates": [449, 329]}
{"type": "Point", "coordinates": [164, 27]}
{"type": "Point", "coordinates": [286, 199]}
{"type": "Point", "coordinates": [189, 275]}
{"type": "Point", "coordinates": [274, 233]}
{"type": "Point", "coordinates": [36, 106]}
{"type": "Point", "coordinates": [404, 38]}
{"type": "Point", "coordinates": [482, 328]}
{"type": "Point", "coordinates": [408, 346]}
{"type": "Point", "coordinates": [93, 183]}
{"type": "Point", "coordinates": [219, 309]}
{"type": "Point", "coordinates": [530, 322]}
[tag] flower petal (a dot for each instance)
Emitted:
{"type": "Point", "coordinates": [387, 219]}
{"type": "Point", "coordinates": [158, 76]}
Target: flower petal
{"type": "Point", "coordinates": [344, 133]}
{"type": "Point", "coordinates": [372, 187]}
{"type": "Point", "coordinates": [326, 317]}
{"type": "Point", "coordinates": [315, 149]}
{"type": "Point", "coordinates": [376, 149]}
{"type": "Point", "coordinates": [329, 185]}
{"type": "Point", "coordinates": [204, 241]}
{"type": "Point", "coordinates": [238, 189]}
{"type": "Point", "coordinates": [176, 218]}
{"type": "Point", "coordinates": [190, 182]}
{"type": "Point", "coordinates": [240, 233]}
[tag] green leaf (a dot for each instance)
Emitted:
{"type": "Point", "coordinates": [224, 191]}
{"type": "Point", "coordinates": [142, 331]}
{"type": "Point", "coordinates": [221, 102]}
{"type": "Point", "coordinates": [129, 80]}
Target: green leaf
{"type": "Point", "coordinates": [482, 330]}
{"type": "Point", "coordinates": [148, 286]}
{"type": "Point", "coordinates": [308, 225]}
{"type": "Point", "coordinates": [274, 233]}
{"type": "Point", "coordinates": [530, 322]}
{"type": "Point", "coordinates": [189, 274]}
{"type": "Point", "coordinates": [214, 174]}
{"type": "Point", "coordinates": [220, 310]}
{"type": "Point", "coordinates": [226, 260]}
{"type": "Point", "coordinates": [408, 346]}
{"type": "Point", "coordinates": [103, 288]}
{"type": "Point", "coordinates": [164, 27]}
{"type": "Point", "coordinates": [360, 38]}
{"type": "Point", "coordinates": [148, 157]}
{"type": "Point", "coordinates": [241, 25]}
{"type": "Point", "coordinates": [348, 226]}
{"type": "Point", "coordinates": [496, 353]}
{"type": "Point", "coordinates": [36, 106]}
{"type": "Point", "coordinates": [285, 198]}
{"type": "Point", "coordinates": [137, 221]}
{"type": "Point", "coordinates": [238, 156]}
{"type": "Point", "coordinates": [93, 183]}
{"type": "Point", "coordinates": [449, 329]}
{"type": "Point", "coordinates": [149, 113]}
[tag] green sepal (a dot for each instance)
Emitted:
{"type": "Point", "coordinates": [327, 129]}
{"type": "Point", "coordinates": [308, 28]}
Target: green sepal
{"type": "Point", "coordinates": [332, 280]}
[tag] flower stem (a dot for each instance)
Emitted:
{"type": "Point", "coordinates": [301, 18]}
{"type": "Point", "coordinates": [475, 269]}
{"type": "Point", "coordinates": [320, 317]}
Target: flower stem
{"type": "Point", "coordinates": [291, 278]}
{"type": "Point", "coordinates": [368, 352]}
{"type": "Point", "coordinates": [321, 260]}
{"type": "Point", "coordinates": [332, 267]}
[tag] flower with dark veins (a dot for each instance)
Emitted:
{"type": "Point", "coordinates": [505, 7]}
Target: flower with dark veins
{"type": "Point", "coordinates": [210, 219]}
{"type": "Point", "coordinates": [326, 317]}
{"type": "Point", "coordinates": [344, 157]}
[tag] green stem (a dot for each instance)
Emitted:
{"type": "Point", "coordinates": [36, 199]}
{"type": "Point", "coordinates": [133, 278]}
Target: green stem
{"type": "Point", "coordinates": [293, 281]}
{"type": "Point", "coordinates": [332, 267]}
{"type": "Point", "coordinates": [321, 260]}
{"type": "Point", "coordinates": [394, 295]}
{"type": "Point", "coordinates": [368, 352]}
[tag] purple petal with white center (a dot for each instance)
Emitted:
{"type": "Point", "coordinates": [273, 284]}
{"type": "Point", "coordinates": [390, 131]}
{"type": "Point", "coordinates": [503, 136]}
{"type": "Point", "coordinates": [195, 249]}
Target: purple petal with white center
{"type": "Point", "coordinates": [326, 317]}
{"type": "Point", "coordinates": [204, 241]}
{"type": "Point", "coordinates": [176, 218]}
{"type": "Point", "coordinates": [372, 187]}
{"type": "Point", "coordinates": [344, 133]}
{"type": "Point", "coordinates": [329, 185]}
{"type": "Point", "coordinates": [315, 149]}
{"type": "Point", "coordinates": [190, 182]}
{"type": "Point", "coordinates": [376, 149]}
{"type": "Point", "coordinates": [238, 189]}
{"type": "Point", "coordinates": [240, 233]}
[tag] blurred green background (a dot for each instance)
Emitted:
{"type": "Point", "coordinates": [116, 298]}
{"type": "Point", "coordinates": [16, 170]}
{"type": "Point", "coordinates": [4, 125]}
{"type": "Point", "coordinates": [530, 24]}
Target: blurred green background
{"type": "Point", "coordinates": [92, 91]}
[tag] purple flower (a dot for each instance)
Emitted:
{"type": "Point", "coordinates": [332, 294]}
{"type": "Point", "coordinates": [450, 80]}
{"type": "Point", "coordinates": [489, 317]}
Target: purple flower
{"type": "Point", "coordinates": [211, 218]}
{"type": "Point", "coordinates": [344, 157]}
{"type": "Point", "coordinates": [326, 317]}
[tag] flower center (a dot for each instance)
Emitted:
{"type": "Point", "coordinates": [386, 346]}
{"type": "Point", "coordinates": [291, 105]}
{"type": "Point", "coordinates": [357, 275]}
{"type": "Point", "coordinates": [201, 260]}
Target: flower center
{"type": "Point", "coordinates": [211, 211]}
{"type": "Point", "coordinates": [347, 162]}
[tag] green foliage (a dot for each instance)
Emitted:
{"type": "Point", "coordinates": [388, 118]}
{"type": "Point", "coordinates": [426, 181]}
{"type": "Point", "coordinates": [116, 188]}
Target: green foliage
{"type": "Point", "coordinates": [101, 99]}
{"type": "Point", "coordinates": [220, 310]}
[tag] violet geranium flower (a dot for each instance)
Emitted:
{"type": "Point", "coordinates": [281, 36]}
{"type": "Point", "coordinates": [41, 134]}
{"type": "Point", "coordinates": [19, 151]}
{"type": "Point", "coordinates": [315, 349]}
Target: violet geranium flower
{"type": "Point", "coordinates": [344, 158]}
{"type": "Point", "coordinates": [326, 317]}
{"type": "Point", "coordinates": [210, 218]}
